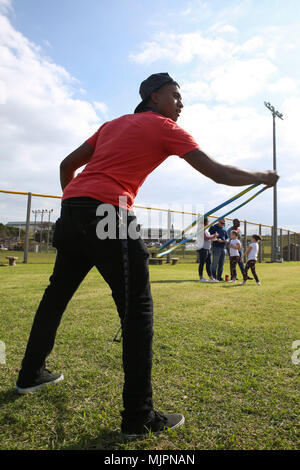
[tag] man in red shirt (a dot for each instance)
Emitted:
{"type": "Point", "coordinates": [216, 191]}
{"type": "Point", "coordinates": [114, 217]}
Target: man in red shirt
{"type": "Point", "coordinates": [118, 158]}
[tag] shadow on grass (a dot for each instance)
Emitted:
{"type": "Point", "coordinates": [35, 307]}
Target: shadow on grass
{"type": "Point", "coordinates": [106, 440]}
{"type": "Point", "coordinates": [170, 281]}
{"type": "Point", "coordinates": [229, 286]}
{"type": "Point", "coordinates": [9, 396]}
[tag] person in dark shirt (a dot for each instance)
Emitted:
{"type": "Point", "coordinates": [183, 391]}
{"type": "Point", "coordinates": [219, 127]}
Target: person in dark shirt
{"type": "Point", "coordinates": [218, 249]}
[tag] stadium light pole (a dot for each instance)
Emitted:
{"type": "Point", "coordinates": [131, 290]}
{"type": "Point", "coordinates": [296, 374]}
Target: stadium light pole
{"type": "Point", "coordinates": [275, 228]}
{"type": "Point", "coordinates": [48, 233]}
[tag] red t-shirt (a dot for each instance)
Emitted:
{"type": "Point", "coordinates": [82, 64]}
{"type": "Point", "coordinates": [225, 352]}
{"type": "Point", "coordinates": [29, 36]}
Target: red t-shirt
{"type": "Point", "coordinates": [127, 149]}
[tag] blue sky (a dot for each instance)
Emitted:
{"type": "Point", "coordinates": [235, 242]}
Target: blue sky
{"type": "Point", "coordinates": [68, 65]}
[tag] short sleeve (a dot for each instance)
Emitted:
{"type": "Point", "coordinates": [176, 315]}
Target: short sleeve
{"type": "Point", "coordinates": [175, 140]}
{"type": "Point", "coordinates": [93, 139]}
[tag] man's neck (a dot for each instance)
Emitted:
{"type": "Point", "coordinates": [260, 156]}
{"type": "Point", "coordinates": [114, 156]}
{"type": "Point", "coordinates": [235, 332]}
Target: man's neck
{"type": "Point", "coordinates": [149, 108]}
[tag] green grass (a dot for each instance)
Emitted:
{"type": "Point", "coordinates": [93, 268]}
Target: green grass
{"type": "Point", "coordinates": [222, 357]}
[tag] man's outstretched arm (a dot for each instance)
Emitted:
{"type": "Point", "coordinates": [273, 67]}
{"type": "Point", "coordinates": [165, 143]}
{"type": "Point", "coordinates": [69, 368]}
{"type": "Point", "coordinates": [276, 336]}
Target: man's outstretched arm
{"type": "Point", "coordinates": [81, 156]}
{"type": "Point", "coordinates": [227, 174]}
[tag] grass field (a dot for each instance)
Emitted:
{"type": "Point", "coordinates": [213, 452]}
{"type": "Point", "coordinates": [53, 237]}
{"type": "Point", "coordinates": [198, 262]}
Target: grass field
{"type": "Point", "coordinates": [222, 357]}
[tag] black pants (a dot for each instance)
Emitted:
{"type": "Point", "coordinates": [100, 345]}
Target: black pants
{"type": "Point", "coordinates": [233, 261]}
{"type": "Point", "coordinates": [78, 250]}
{"type": "Point", "coordinates": [250, 265]}
{"type": "Point", "coordinates": [240, 262]}
{"type": "Point", "coordinates": [204, 258]}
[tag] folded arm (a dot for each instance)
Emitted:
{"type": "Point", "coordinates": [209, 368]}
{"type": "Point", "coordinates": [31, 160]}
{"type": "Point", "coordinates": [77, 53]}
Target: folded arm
{"type": "Point", "coordinates": [236, 246]}
{"type": "Point", "coordinates": [247, 252]}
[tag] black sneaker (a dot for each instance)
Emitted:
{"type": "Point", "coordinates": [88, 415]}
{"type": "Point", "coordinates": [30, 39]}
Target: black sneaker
{"type": "Point", "coordinates": [250, 278]}
{"type": "Point", "coordinates": [45, 377]}
{"type": "Point", "coordinates": [156, 422]}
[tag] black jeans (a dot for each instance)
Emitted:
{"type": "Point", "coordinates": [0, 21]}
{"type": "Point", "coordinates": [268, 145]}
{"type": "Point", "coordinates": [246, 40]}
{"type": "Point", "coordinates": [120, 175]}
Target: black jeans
{"type": "Point", "coordinates": [204, 258]}
{"type": "Point", "coordinates": [78, 250]}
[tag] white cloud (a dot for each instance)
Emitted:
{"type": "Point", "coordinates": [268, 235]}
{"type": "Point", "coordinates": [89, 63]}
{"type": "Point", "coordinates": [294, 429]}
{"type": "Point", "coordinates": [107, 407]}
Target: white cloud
{"type": "Point", "coordinates": [288, 132]}
{"type": "Point", "coordinates": [224, 111]}
{"type": "Point", "coordinates": [220, 28]}
{"type": "Point", "coordinates": [289, 194]}
{"type": "Point", "coordinates": [209, 48]}
{"type": "Point", "coordinates": [238, 80]}
{"type": "Point", "coordinates": [285, 85]}
{"type": "Point", "coordinates": [294, 178]}
{"type": "Point", "coordinates": [193, 91]}
{"type": "Point", "coordinates": [183, 48]}
{"type": "Point", "coordinates": [2, 92]}
{"type": "Point", "coordinates": [231, 134]}
{"type": "Point", "coordinates": [252, 45]}
{"type": "Point", "coordinates": [186, 12]}
{"type": "Point", "coordinates": [102, 107]}
{"type": "Point", "coordinates": [5, 5]}
{"type": "Point", "coordinates": [40, 119]}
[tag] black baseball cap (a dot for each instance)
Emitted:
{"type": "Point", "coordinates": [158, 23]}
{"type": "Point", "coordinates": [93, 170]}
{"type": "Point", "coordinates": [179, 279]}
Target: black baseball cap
{"type": "Point", "coordinates": [151, 84]}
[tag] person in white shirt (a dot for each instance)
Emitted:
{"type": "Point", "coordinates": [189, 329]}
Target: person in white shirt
{"type": "Point", "coordinates": [234, 253]}
{"type": "Point", "coordinates": [252, 252]}
{"type": "Point", "coordinates": [204, 253]}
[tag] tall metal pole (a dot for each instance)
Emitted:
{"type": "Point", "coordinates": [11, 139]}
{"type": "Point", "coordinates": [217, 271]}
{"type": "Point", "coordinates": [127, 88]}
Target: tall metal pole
{"type": "Point", "coordinates": [50, 210]}
{"type": "Point", "coordinates": [169, 232]}
{"type": "Point", "coordinates": [26, 247]}
{"type": "Point", "coordinates": [41, 232]}
{"type": "Point", "coordinates": [275, 251]}
{"type": "Point", "coordinates": [275, 224]}
{"type": "Point", "coordinates": [34, 212]}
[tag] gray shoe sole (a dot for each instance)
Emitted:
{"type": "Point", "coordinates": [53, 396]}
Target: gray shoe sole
{"type": "Point", "coordinates": [22, 391]}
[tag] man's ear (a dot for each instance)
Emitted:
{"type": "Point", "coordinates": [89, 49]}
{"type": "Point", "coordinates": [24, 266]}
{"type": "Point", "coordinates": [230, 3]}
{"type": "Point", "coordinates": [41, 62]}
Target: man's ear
{"type": "Point", "coordinates": [154, 97]}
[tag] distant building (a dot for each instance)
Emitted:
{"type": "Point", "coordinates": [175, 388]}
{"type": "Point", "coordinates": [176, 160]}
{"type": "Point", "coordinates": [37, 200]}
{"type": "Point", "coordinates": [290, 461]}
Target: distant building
{"type": "Point", "coordinates": [157, 234]}
{"type": "Point", "coordinates": [32, 226]}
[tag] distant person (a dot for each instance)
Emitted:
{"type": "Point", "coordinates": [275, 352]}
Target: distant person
{"type": "Point", "coordinates": [118, 157]}
{"type": "Point", "coordinates": [218, 249]}
{"type": "Point", "coordinates": [252, 252]}
{"type": "Point", "coordinates": [234, 253]}
{"type": "Point", "coordinates": [236, 227]}
{"type": "Point", "coordinates": [204, 255]}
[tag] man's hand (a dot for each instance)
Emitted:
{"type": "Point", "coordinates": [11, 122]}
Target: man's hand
{"type": "Point", "coordinates": [269, 178]}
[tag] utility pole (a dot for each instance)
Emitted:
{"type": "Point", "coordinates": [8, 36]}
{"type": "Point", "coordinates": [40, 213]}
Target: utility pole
{"type": "Point", "coordinates": [41, 231]}
{"type": "Point", "coordinates": [275, 251]}
{"type": "Point", "coordinates": [34, 212]}
{"type": "Point", "coordinates": [48, 233]}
